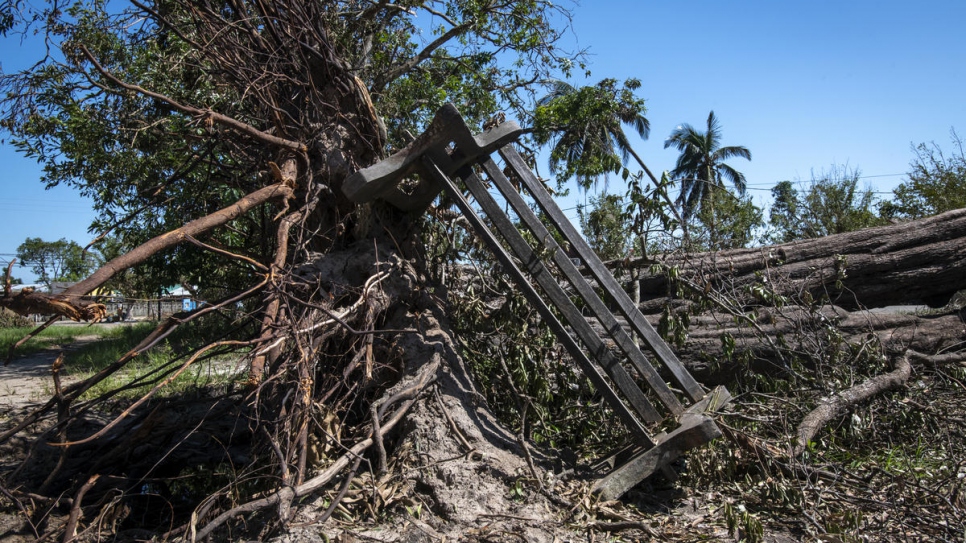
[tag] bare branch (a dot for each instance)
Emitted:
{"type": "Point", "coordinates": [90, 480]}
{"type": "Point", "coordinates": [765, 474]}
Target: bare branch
{"type": "Point", "coordinates": [384, 79]}
{"type": "Point", "coordinates": [170, 239]}
{"type": "Point", "coordinates": [833, 406]}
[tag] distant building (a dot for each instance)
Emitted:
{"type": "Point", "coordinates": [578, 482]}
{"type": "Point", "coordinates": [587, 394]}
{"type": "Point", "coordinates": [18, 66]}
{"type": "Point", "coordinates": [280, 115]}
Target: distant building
{"type": "Point", "coordinates": [58, 287]}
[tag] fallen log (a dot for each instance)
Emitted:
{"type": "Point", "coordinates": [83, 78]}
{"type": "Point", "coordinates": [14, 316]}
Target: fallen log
{"type": "Point", "coordinates": [916, 262]}
{"type": "Point", "coordinates": [29, 301]}
{"type": "Point", "coordinates": [801, 333]}
{"type": "Point", "coordinates": [895, 331]}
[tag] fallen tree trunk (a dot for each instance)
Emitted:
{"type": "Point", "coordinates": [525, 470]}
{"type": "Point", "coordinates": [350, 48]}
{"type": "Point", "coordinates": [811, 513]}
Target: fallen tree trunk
{"type": "Point", "coordinates": [917, 262]}
{"type": "Point", "coordinates": [29, 301]}
{"type": "Point", "coordinates": [896, 332]}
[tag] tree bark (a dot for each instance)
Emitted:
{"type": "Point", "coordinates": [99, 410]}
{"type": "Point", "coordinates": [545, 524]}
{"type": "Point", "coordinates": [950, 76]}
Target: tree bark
{"type": "Point", "coordinates": [917, 262]}
{"type": "Point", "coordinates": [703, 350]}
{"type": "Point", "coordinates": [833, 406]}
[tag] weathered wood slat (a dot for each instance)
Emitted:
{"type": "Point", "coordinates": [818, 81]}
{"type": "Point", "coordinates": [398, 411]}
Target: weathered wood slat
{"type": "Point", "coordinates": [510, 267]}
{"type": "Point", "coordinates": [539, 272]}
{"type": "Point", "coordinates": [711, 403]}
{"type": "Point", "coordinates": [585, 291]}
{"type": "Point", "coordinates": [603, 276]}
{"type": "Point", "coordinates": [696, 431]}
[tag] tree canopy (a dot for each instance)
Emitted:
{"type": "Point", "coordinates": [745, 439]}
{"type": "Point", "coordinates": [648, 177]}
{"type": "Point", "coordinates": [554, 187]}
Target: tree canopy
{"type": "Point", "coordinates": [167, 111]}
{"type": "Point", "coordinates": [606, 225]}
{"type": "Point", "coordinates": [584, 128]}
{"type": "Point", "coordinates": [60, 260]}
{"type": "Point", "coordinates": [831, 203]}
{"type": "Point", "coordinates": [937, 182]}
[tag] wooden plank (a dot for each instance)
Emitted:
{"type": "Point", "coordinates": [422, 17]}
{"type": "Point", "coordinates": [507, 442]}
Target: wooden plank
{"type": "Point", "coordinates": [696, 432]}
{"type": "Point", "coordinates": [381, 180]}
{"type": "Point", "coordinates": [510, 267]}
{"type": "Point", "coordinates": [535, 267]}
{"type": "Point", "coordinates": [586, 292]}
{"type": "Point", "coordinates": [711, 403]}
{"type": "Point", "coordinates": [603, 276]}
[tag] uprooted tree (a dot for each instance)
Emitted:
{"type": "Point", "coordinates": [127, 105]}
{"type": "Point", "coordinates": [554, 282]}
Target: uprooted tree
{"type": "Point", "coordinates": [214, 138]}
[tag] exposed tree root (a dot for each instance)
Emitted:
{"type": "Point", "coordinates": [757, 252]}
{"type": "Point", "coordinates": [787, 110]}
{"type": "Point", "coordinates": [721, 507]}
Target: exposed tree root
{"type": "Point", "coordinates": [70, 531]}
{"type": "Point", "coordinates": [286, 495]}
{"type": "Point", "coordinates": [833, 406]}
{"type": "Point", "coordinates": [620, 526]}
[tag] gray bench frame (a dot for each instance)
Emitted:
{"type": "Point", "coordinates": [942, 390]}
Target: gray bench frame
{"type": "Point", "coordinates": [448, 157]}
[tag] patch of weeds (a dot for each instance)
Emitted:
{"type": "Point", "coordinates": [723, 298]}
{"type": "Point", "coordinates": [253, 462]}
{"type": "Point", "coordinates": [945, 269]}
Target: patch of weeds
{"type": "Point", "coordinates": [517, 492]}
{"type": "Point", "coordinates": [843, 524]}
{"type": "Point", "coordinates": [717, 461]}
{"type": "Point", "coordinates": [919, 461]}
{"type": "Point", "coordinates": [742, 524]}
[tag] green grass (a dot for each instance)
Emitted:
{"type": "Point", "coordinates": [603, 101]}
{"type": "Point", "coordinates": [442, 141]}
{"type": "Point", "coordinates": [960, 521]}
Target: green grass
{"type": "Point", "coordinates": [51, 337]}
{"type": "Point", "coordinates": [114, 342]}
{"type": "Point", "coordinates": [142, 373]}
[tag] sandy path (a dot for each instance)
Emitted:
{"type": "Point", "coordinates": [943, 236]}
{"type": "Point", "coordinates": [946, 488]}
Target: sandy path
{"type": "Point", "coordinates": [27, 380]}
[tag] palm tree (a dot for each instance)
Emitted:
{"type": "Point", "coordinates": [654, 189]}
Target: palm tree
{"type": "Point", "coordinates": [585, 127]}
{"type": "Point", "coordinates": [701, 168]}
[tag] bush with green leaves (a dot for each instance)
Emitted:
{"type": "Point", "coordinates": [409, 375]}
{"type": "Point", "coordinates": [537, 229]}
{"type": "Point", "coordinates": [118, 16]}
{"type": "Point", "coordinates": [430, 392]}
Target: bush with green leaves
{"type": "Point", "coordinates": [831, 203]}
{"type": "Point", "coordinates": [937, 183]}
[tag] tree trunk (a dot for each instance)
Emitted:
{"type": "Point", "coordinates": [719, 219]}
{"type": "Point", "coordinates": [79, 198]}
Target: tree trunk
{"type": "Point", "coordinates": [917, 262]}
{"type": "Point", "coordinates": [897, 331]}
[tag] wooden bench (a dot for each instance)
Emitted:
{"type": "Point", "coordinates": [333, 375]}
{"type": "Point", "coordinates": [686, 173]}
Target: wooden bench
{"type": "Point", "coordinates": [448, 157]}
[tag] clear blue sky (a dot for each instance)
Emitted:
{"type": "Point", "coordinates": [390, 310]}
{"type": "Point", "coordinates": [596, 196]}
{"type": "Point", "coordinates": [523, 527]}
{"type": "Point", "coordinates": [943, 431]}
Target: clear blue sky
{"type": "Point", "coordinates": [803, 85]}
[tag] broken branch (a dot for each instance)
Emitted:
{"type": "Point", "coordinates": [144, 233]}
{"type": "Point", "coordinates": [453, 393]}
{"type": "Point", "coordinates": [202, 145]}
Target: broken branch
{"type": "Point", "coordinates": [834, 406]}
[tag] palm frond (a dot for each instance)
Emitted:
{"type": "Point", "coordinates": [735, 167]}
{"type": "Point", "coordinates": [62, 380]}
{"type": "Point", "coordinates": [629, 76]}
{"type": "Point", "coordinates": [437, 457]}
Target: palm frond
{"type": "Point", "coordinates": [641, 126]}
{"type": "Point", "coordinates": [558, 88]}
{"type": "Point", "coordinates": [713, 135]}
{"type": "Point", "coordinates": [737, 178]}
{"type": "Point", "coordinates": [733, 151]}
{"type": "Point", "coordinates": [622, 144]}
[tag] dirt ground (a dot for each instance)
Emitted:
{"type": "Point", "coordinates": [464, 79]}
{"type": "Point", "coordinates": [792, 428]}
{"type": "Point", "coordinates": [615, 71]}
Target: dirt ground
{"type": "Point", "coordinates": [28, 380]}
